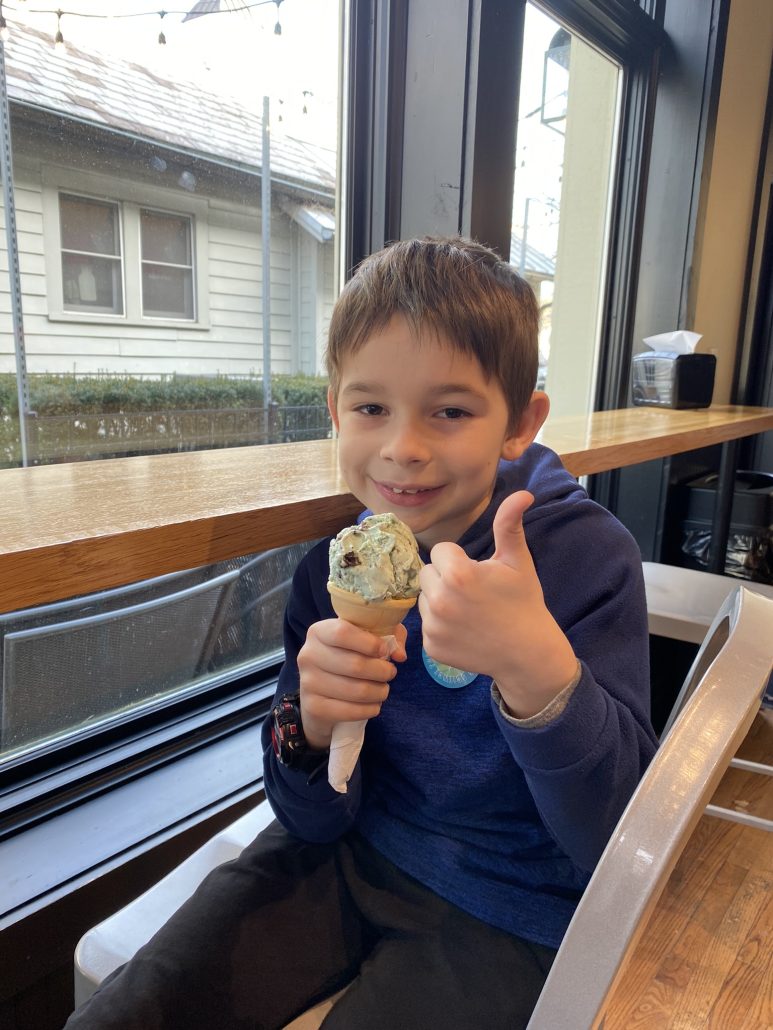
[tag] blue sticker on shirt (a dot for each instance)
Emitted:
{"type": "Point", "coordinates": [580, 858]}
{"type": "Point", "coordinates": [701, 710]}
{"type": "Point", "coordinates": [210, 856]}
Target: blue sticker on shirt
{"type": "Point", "coordinates": [447, 675]}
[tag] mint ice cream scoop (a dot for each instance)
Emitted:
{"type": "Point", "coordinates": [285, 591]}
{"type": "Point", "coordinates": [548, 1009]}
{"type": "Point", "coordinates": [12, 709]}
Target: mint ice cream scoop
{"type": "Point", "coordinates": [377, 559]}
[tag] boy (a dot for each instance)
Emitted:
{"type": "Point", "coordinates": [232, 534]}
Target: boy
{"type": "Point", "coordinates": [442, 881]}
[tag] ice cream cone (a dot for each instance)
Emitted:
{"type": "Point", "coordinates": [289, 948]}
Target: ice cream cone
{"type": "Point", "coordinates": [380, 617]}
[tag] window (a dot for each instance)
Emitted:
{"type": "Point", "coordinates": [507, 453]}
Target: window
{"type": "Point", "coordinates": [566, 152]}
{"type": "Point", "coordinates": [167, 265]}
{"type": "Point", "coordinates": [123, 262]}
{"type": "Point", "coordinates": [92, 259]}
{"type": "Point", "coordinates": [176, 233]}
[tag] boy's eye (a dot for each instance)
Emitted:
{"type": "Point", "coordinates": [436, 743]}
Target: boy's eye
{"type": "Point", "coordinates": [452, 413]}
{"type": "Point", "coordinates": [370, 409]}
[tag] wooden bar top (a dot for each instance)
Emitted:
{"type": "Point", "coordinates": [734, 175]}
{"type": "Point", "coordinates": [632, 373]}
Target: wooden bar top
{"type": "Point", "coordinates": [75, 528]}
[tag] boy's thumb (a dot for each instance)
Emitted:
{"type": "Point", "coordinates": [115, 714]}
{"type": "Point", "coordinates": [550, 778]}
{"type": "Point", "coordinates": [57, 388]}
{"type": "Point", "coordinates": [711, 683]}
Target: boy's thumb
{"type": "Point", "coordinates": [510, 544]}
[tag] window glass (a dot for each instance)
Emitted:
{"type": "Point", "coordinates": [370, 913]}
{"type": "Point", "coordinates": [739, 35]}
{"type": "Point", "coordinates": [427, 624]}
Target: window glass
{"type": "Point", "coordinates": [139, 193]}
{"type": "Point", "coordinates": [91, 255]}
{"type": "Point", "coordinates": [167, 265]}
{"type": "Point", "coordinates": [566, 149]}
{"type": "Point", "coordinates": [145, 152]}
{"type": "Point", "coordinates": [79, 665]}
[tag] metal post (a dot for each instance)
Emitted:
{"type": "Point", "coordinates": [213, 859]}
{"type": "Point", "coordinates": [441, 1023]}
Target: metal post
{"type": "Point", "coordinates": [6, 170]}
{"type": "Point", "coordinates": [522, 268]}
{"type": "Point", "coordinates": [265, 219]}
{"type": "Point", "coordinates": [723, 507]}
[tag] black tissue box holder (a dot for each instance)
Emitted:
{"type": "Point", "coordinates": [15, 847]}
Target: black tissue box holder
{"type": "Point", "coordinates": [663, 379]}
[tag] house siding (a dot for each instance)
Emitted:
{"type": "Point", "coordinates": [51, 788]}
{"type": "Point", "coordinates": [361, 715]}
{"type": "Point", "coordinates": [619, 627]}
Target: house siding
{"type": "Point", "coordinates": [231, 343]}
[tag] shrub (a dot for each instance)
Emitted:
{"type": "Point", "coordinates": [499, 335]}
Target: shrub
{"type": "Point", "coordinates": [106, 416]}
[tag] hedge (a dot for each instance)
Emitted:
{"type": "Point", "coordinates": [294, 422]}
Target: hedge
{"type": "Point", "coordinates": [81, 418]}
{"type": "Point", "coordinates": [76, 395]}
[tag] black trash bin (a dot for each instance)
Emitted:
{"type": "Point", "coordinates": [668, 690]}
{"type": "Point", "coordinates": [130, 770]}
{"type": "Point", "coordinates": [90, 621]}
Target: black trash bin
{"type": "Point", "coordinates": [750, 542]}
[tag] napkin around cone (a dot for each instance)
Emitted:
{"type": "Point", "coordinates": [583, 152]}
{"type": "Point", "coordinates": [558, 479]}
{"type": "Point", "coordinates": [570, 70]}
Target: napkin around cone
{"type": "Point", "coordinates": [381, 618]}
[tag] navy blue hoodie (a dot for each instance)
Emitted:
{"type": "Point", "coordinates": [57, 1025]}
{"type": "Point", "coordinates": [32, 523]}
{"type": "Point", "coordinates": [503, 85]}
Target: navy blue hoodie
{"type": "Point", "coordinates": [504, 821]}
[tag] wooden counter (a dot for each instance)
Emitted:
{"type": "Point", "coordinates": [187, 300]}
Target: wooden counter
{"type": "Point", "coordinates": [86, 526]}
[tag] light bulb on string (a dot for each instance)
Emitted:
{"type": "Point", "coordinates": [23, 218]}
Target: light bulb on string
{"type": "Point", "coordinates": [278, 26]}
{"type": "Point", "coordinates": [161, 36]}
{"type": "Point", "coordinates": [59, 38]}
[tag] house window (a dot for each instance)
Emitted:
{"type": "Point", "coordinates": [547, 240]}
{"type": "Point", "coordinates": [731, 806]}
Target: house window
{"type": "Point", "coordinates": [167, 265]}
{"type": "Point", "coordinates": [92, 260]}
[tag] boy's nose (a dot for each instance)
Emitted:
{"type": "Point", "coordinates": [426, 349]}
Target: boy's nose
{"type": "Point", "coordinates": [405, 445]}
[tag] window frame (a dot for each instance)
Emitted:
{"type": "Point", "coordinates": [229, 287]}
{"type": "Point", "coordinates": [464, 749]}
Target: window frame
{"type": "Point", "coordinates": [467, 187]}
{"type": "Point", "coordinates": [131, 199]}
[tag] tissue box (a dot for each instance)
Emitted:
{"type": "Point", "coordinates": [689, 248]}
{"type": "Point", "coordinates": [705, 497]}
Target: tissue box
{"type": "Point", "coordinates": [668, 380]}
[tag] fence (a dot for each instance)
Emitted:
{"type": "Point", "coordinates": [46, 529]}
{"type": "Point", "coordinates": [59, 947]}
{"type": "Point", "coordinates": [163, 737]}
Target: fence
{"type": "Point", "coordinates": [63, 438]}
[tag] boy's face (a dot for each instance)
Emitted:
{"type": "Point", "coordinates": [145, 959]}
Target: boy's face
{"type": "Point", "coordinates": [421, 431]}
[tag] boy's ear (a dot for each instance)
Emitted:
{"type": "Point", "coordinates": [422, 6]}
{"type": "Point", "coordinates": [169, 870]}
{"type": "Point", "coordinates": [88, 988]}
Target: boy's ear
{"type": "Point", "coordinates": [331, 406]}
{"type": "Point", "coordinates": [531, 421]}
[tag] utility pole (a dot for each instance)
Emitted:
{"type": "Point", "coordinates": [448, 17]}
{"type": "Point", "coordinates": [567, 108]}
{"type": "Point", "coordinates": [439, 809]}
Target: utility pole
{"type": "Point", "coordinates": [12, 246]}
{"type": "Point", "coordinates": [265, 224]}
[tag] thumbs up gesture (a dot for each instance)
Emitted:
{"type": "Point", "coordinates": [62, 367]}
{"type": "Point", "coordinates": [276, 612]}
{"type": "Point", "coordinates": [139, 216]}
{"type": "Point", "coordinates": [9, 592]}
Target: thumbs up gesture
{"type": "Point", "coordinates": [490, 616]}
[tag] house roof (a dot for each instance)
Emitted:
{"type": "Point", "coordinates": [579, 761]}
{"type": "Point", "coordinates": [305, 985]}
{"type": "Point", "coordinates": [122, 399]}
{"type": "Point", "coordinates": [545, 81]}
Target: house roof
{"type": "Point", "coordinates": [534, 260]}
{"type": "Point", "coordinates": [122, 96]}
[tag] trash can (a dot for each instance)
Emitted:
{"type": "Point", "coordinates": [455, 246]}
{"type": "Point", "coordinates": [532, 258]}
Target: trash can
{"type": "Point", "coordinates": [750, 541]}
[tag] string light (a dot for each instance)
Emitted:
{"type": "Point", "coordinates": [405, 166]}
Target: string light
{"type": "Point", "coordinates": [59, 38]}
{"type": "Point", "coordinates": [247, 6]}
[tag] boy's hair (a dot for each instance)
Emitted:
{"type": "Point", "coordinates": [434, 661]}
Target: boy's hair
{"type": "Point", "coordinates": [453, 286]}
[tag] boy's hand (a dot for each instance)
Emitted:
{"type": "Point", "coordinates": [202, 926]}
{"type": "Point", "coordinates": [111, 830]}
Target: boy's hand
{"type": "Point", "coordinates": [345, 676]}
{"type": "Point", "coordinates": [490, 617]}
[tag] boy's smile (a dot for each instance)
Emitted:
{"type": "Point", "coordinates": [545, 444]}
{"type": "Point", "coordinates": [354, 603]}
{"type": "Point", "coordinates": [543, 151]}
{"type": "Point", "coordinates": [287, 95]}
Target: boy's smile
{"type": "Point", "coordinates": [421, 430]}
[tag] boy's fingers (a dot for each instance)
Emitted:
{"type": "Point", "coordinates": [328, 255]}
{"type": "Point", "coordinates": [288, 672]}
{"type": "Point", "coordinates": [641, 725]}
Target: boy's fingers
{"type": "Point", "coordinates": [510, 545]}
{"type": "Point", "coordinates": [341, 633]}
{"type": "Point", "coordinates": [443, 555]}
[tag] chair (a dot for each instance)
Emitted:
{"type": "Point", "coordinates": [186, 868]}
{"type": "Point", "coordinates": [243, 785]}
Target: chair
{"type": "Point", "coordinates": [111, 943]}
{"type": "Point", "coordinates": [716, 707]}
{"type": "Point", "coordinates": [680, 605]}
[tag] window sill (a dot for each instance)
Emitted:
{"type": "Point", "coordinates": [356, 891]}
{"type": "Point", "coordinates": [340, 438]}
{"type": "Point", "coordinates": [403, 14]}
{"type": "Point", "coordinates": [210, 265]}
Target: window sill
{"type": "Point", "coordinates": [59, 855]}
{"type": "Point", "coordinates": [81, 318]}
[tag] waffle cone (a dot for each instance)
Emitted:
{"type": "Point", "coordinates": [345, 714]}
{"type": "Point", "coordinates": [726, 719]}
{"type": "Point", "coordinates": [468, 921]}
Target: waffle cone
{"type": "Point", "coordinates": [380, 617]}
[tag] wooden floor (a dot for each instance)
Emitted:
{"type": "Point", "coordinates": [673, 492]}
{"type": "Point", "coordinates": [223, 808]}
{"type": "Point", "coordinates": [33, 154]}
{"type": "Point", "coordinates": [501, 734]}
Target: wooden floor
{"type": "Point", "coordinates": [706, 957]}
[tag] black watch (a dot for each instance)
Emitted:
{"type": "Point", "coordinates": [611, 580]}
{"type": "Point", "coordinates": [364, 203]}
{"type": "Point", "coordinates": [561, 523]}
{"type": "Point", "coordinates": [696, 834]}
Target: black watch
{"type": "Point", "coordinates": [288, 739]}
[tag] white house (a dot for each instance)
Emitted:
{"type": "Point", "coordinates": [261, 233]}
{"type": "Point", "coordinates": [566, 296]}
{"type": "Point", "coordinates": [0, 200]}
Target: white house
{"type": "Point", "coordinates": [138, 210]}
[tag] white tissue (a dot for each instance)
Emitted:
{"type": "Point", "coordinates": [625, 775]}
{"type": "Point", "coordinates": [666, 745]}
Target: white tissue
{"type": "Point", "coordinates": [346, 744]}
{"type": "Point", "coordinates": [679, 342]}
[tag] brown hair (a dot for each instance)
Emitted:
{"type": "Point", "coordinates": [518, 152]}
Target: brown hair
{"type": "Point", "coordinates": [451, 285]}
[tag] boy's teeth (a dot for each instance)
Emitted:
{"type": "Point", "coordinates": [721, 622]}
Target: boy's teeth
{"type": "Point", "coordinates": [397, 490]}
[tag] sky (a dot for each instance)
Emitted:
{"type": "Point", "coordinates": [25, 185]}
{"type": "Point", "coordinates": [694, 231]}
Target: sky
{"type": "Point", "coordinates": [235, 52]}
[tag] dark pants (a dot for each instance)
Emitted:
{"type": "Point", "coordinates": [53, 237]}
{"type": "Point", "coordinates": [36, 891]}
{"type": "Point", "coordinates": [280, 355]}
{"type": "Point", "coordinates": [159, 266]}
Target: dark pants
{"type": "Point", "coordinates": [288, 923]}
